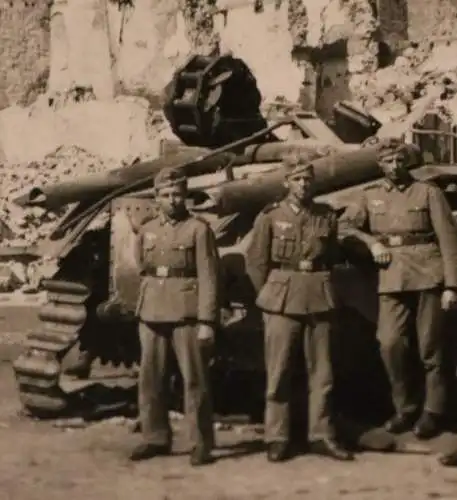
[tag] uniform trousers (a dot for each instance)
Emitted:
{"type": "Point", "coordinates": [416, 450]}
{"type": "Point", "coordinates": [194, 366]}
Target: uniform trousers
{"type": "Point", "coordinates": [154, 384]}
{"type": "Point", "coordinates": [398, 312]}
{"type": "Point", "coordinates": [281, 335]}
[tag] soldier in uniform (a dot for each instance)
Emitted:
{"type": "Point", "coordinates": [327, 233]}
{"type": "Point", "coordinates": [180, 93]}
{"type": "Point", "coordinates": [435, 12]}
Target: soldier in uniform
{"type": "Point", "coordinates": [409, 229]}
{"type": "Point", "coordinates": [177, 307]}
{"type": "Point", "coordinates": [289, 261]}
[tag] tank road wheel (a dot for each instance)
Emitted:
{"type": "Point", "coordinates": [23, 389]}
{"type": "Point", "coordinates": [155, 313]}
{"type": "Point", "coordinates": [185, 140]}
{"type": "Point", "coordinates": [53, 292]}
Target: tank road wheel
{"type": "Point", "coordinates": [212, 101]}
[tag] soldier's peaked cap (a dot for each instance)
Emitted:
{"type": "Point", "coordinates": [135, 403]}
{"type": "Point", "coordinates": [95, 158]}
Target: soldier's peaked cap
{"type": "Point", "coordinates": [168, 177]}
{"type": "Point", "coordinates": [300, 163]}
{"type": "Point", "coordinates": [410, 153]}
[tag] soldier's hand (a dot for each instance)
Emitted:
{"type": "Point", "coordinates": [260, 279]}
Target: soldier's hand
{"type": "Point", "coordinates": [205, 335]}
{"type": "Point", "coordinates": [381, 254]}
{"type": "Point", "coordinates": [449, 300]}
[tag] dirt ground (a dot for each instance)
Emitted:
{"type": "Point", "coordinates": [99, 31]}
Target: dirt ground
{"type": "Point", "coordinates": [40, 460]}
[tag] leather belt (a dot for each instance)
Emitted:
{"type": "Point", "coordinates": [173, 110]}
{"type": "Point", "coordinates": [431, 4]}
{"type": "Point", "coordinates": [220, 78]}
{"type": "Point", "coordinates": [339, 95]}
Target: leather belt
{"type": "Point", "coordinates": [302, 266]}
{"type": "Point", "coordinates": [400, 240]}
{"type": "Point", "coordinates": [169, 272]}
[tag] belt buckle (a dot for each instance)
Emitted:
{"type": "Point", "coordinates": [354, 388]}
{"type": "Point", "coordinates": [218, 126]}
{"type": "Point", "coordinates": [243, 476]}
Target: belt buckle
{"type": "Point", "coordinates": [162, 271]}
{"type": "Point", "coordinates": [305, 265]}
{"type": "Point", "coordinates": [395, 241]}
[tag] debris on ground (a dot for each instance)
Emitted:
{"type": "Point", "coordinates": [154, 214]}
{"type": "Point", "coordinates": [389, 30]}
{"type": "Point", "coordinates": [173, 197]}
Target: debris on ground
{"type": "Point", "coordinates": [422, 68]}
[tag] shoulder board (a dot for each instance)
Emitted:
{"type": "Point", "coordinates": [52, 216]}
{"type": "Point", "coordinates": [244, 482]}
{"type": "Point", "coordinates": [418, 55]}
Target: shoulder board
{"type": "Point", "coordinates": [432, 185]}
{"type": "Point", "coordinates": [201, 219]}
{"type": "Point", "coordinates": [372, 186]}
{"type": "Point", "coordinates": [147, 218]}
{"type": "Point", "coordinates": [427, 182]}
{"type": "Point", "coordinates": [270, 207]}
{"type": "Point", "coordinates": [139, 223]}
{"type": "Point", "coordinates": [323, 208]}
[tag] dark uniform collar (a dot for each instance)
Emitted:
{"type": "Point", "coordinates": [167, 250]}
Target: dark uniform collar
{"type": "Point", "coordinates": [165, 219]}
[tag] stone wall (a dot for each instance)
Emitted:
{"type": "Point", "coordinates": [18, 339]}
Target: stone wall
{"type": "Point", "coordinates": [111, 50]}
{"type": "Point", "coordinates": [431, 18]}
{"type": "Point", "coordinates": [24, 49]}
{"type": "Point", "coordinates": [393, 22]}
{"type": "Point", "coordinates": [298, 49]}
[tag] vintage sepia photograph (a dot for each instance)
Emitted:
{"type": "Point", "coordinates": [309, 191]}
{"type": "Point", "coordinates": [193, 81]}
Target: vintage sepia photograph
{"type": "Point", "coordinates": [228, 249]}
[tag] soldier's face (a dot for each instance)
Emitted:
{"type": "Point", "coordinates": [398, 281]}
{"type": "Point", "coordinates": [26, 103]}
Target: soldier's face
{"type": "Point", "coordinates": [300, 187]}
{"type": "Point", "coordinates": [172, 199]}
{"type": "Point", "coordinates": [393, 167]}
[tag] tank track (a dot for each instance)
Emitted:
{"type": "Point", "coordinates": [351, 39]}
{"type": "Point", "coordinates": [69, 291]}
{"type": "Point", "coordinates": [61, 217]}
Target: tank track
{"type": "Point", "coordinates": [39, 367]}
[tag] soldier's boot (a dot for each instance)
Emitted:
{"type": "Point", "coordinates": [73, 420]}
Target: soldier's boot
{"type": "Point", "coordinates": [401, 423]}
{"type": "Point", "coordinates": [359, 436]}
{"type": "Point", "coordinates": [135, 428]}
{"type": "Point", "coordinates": [82, 367]}
{"type": "Point", "coordinates": [448, 458]}
{"type": "Point", "coordinates": [200, 456]}
{"type": "Point", "coordinates": [330, 448]}
{"type": "Point", "coordinates": [278, 451]}
{"type": "Point", "coordinates": [146, 451]}
{"type": "Point", "coordinates": [429, 426]}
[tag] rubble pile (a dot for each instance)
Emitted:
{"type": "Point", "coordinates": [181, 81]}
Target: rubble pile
{"type": "Point", "coordinates": [33, 224]}
{"type": "Point", "coordinates": [200, 26]}
{"type": "Point", "coordinates": [421, 68]}
{"type": "Point", "coordinates": [362, 46]}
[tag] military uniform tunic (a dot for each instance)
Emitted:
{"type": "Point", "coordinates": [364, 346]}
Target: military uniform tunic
{"type": "Point", "coordinates": [289, 262]}
{"type": "Point", "coordinates": [415, 222]}
{"type": "Point", "coordinates": [179, 264]}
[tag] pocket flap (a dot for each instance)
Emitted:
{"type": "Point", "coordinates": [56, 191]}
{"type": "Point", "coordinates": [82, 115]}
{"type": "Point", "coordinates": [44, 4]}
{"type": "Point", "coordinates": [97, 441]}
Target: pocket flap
{"type": "Point", "coordinates": [186, 285]}
{"type": "Point", "coordinates": [182, 246]}
{"type": "Point", "coordinates": [149, 241]}
{"type": "Point", "coordinates": [284, 235]}
{"type": "Point", "coordinates": [378, 210]}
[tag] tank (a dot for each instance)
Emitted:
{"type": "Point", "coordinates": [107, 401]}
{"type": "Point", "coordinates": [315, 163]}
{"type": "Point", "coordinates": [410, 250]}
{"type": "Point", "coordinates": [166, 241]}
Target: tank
{"type": "Point", "coordinates": [231, 154]}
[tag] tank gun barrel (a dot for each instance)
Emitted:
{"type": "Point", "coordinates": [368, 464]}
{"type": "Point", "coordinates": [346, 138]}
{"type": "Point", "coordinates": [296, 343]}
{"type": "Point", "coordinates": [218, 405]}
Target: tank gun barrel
{"type": "Point", "coordinates": [200, 161]}
{"type": "Point", "coordinates": [334, 172]}
{"type": "Point", "coordinates": [94, 186]}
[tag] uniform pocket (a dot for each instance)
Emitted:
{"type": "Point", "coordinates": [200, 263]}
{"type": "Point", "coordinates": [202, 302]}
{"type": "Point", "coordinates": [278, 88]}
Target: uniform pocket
{"type": "Point", "coordinates": [273, 294]}
{"type": "Point", "coordinates": [418, 219]}
{"type": "Point", "coordinates": [315, 244]}
{"type": "Point", "coordinates": [377, 217]}
{"type": "Point", "coordinates": [283, 244]}
{"type": "Point", "coordinates": [188, 296]}
{"type": "Point", "coordinates": [183, 256]}
{"type": "Point", "coordinates": [189, 284]}
{"type": "Point", "coordinates": [149, 240]}
{"type": "Point", "coordinates": [148, 247]}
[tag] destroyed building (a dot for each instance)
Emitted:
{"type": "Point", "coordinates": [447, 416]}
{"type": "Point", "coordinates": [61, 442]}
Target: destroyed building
{"type": "Point", "coordinates": [69, 68]}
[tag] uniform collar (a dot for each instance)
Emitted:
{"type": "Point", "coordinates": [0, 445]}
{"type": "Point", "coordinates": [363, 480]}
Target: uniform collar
{"type": "Point", "coordinates": [389, 185]}
{"type": "Point", "coordinates": [295, 207]}
{"type": "Point", "coordinates": [164, 219]}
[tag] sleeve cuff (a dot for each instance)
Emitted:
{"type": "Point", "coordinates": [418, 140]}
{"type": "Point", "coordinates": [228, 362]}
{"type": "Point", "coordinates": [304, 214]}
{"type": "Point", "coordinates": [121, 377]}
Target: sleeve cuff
{"type": "Point", "coordinates": [207, 322]}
